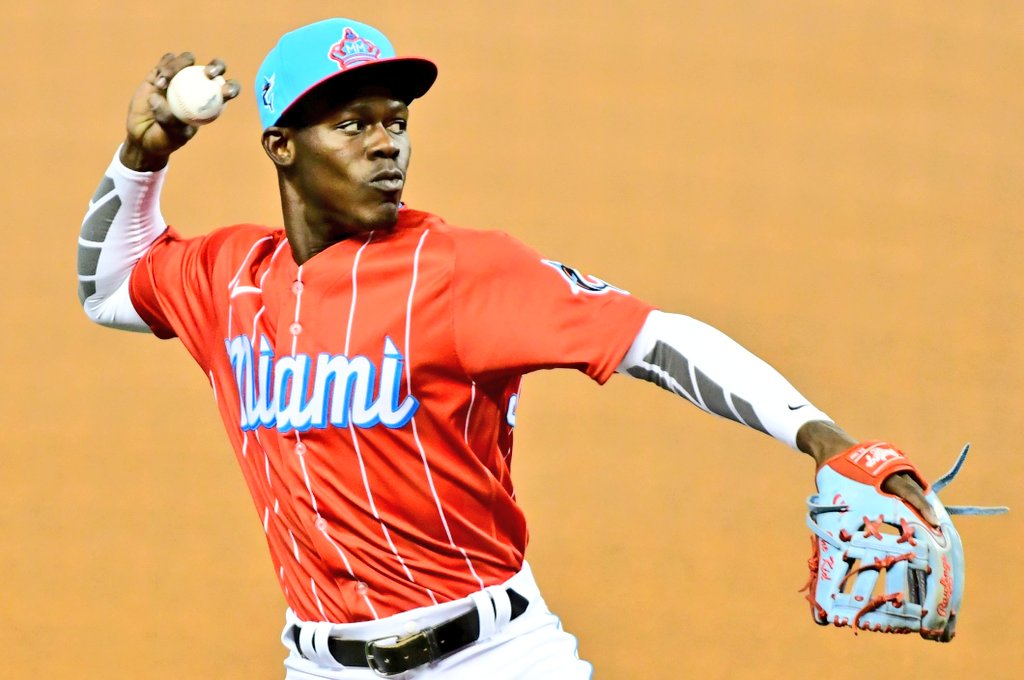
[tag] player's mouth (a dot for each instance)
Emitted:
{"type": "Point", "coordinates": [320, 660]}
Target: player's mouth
{"type": "Point", "coordinates": [388, 180]}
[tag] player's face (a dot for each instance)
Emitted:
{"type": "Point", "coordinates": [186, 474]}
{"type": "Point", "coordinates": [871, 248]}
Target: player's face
{"type": "Point", "coordinates": [350, 162]}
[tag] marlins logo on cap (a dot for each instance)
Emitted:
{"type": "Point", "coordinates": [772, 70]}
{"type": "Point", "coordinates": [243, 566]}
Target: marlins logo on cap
{"type": "Point", "coordinates": [311, 55]}
{"type": "Point", "coordinates": [267, 93]}
{"type": "Point", "coordinates": [353, 50]}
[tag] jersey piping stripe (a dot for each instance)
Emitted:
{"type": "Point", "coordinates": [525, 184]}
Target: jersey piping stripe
{"type": "Point", "coordinates": [245, 290]}
{"type": "Point", "coordinates": [316, 596]}
{"type": "Point", "coordinates": [348, 568]}
{"type": "Point", "coordinates": [352, 429]}
{"type": "Point", "coordinates": [266, 490]}
{"type": "Point", "coordinates": [376, 515]}
{"type": "Point", "coordinates": [472, 571]}
{"type": "Point", "coordinates": [469, 411]}
{"type": "Point", "coordinates": [255, 323]}
{"type": "Point", "coordinates": [245, 260]}
{"type": "Point", "coordinates": [277, 251]}
{"type": "Point", "coordinates": [305, 474]}
{"type": "Point", "coordinates": [355, 290]}
{"type": "Point", "coordinates": [415, 431]}
{"type": "Point", "coordinates": [234, 282]}
{"type": "Point", "coordinates": [263, 449]}
{"type": "Point", "coordinates": [255, 327]}
{"type": "Point", "coordinates": [298, 306]}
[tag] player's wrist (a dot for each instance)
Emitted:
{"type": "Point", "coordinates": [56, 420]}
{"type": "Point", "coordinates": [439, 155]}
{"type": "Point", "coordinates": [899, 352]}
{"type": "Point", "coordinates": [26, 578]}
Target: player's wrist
{"type": "Point", "coordinates": [134, 157]}
{"type": "Point", "coordinates": [822, 440]}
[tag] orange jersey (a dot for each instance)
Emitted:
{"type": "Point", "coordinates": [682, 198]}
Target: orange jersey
{"type": "Point", "coordinates": [370, 394]}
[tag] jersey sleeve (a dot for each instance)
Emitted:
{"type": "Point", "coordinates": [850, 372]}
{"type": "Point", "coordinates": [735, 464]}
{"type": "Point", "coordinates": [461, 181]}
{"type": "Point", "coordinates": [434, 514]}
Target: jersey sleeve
{"type": "Point", "coordinates": [515, 311]}
{"type": "Point", "coordinates": [173, 286]}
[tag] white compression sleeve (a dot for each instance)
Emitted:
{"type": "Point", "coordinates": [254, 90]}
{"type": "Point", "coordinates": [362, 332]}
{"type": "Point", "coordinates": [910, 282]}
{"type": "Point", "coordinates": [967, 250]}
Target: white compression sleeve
{"type": "Point", "coordinates": [702, 364]}
{"type": "Point", "coordinates": [122, 222]}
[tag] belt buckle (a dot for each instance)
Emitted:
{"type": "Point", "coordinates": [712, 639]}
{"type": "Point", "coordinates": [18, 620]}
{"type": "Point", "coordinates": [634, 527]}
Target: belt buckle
{"type": "Point", "coordinates": [415, 650]}
{"type": "Point", "coordinates": [371, 657]}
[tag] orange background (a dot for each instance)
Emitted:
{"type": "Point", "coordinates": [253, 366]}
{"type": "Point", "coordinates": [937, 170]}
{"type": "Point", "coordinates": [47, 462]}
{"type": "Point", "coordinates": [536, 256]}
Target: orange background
{"type": "Point", "coordinates": [837, 185]}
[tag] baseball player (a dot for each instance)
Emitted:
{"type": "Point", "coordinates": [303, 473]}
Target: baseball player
{"type": "Point", "coordinates": [366, 361]}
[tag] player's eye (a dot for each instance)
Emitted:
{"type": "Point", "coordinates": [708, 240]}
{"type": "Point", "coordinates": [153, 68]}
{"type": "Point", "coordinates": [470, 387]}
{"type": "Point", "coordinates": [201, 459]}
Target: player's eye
{"type": "Point", "coordinates": [350, 127]}
{"type": "Point", "coordinates": [398, 126]}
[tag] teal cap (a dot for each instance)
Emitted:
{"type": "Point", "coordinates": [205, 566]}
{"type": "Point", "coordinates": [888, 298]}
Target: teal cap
{"type": "Point", "coordinates": [328, 50]}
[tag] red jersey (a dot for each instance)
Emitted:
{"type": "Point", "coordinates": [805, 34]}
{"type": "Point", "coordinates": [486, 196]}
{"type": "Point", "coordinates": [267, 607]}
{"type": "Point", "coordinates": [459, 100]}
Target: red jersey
{"type": "Point", "coordinates": [370, 394]}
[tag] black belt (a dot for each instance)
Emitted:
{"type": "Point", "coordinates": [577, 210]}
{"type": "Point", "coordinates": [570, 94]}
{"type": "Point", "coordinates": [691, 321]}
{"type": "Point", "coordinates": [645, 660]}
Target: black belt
{"type": "Point", "coordinates": [394, 655]}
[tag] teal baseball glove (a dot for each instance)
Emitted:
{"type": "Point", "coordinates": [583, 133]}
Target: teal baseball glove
{"type": "Point", "coordinates": [876, 564]}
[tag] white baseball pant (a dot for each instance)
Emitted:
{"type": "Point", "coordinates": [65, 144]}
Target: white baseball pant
{"type": "Point", "coordinates": [532, 646]}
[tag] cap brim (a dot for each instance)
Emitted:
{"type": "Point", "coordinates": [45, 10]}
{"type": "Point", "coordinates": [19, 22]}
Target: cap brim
{"type": "Point", "coordinates": [408, 78]}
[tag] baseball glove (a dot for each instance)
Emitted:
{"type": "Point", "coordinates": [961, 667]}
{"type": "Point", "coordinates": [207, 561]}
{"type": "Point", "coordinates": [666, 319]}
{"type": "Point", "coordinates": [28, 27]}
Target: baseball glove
{"type": "Point", "coordinates": [876, 564]}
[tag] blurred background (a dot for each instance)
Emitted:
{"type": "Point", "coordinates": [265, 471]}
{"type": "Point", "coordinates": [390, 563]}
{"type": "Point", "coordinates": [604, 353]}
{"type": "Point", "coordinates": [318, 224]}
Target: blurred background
{"type": "Point", "coordinates": [836, 185]}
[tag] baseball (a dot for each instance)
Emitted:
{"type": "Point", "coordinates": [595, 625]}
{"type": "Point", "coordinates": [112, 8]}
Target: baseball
{"type": "Point", "coordinates": [194, 98]}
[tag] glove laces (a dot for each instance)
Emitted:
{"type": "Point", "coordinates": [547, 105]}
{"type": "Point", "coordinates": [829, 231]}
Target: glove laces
{"type": "Point", "coordinates": [943, 481]}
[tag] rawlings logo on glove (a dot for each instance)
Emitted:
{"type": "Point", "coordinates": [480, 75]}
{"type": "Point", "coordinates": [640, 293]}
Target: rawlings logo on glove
{"type": "Point", "coordinates": [876, 564]}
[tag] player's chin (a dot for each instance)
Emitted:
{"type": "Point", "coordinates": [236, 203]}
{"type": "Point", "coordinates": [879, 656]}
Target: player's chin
{"type": "Point", "coordinates": [382, 214]}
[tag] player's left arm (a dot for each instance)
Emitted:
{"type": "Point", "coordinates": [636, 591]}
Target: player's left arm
{"type": "Point", "coordinates": [714, 372]}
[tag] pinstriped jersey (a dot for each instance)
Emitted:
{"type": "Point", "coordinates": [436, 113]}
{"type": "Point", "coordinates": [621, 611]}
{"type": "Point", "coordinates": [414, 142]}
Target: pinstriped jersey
{"type": "Point", "coordinates": [369, 394]}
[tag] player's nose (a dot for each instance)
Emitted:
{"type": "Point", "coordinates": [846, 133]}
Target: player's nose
{"type": "Point", "coordinates": [380, 143]}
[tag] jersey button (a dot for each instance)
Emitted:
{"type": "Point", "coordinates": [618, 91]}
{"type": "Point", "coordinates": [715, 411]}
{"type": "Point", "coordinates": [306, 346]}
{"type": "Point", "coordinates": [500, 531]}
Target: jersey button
{"type": "Point", "coordinates": [321, 524]}
{"type": "Point", "coordinates": [300, 448]}
{"type": "Point", "coordinates": [295, 328]}
{"type": "Point", "coordinates": [361, 588]}
{"type": "Point", "coordinates": [297, 287]}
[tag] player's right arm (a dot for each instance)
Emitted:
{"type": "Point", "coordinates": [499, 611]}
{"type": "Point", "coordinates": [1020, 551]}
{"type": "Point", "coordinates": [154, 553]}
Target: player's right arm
{"type": "Point", "coordinates": [124, 219]}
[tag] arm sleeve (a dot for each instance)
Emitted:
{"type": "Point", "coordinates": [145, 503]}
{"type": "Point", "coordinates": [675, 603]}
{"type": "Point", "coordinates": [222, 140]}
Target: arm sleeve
{"type": "Point", "coordinates": [706, 367]}
{"type": "Point", "coordinates": [516, 312]}
{"type": "Point", "coordinates": [123, 220]}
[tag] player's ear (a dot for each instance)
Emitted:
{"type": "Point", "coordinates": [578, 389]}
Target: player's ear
{"type": "Point", "coordinates": [279, 145]}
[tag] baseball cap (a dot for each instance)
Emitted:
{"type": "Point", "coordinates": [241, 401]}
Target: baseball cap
{"type": "Point", "coordinates": [332, 49]}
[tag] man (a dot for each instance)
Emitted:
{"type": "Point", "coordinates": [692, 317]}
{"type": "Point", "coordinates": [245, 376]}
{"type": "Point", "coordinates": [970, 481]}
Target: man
{"type": "Point", "coordinates": [366, 361]}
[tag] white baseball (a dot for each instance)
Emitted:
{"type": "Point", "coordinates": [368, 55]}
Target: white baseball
{"type": "Point", "coordinates": [194, 98]}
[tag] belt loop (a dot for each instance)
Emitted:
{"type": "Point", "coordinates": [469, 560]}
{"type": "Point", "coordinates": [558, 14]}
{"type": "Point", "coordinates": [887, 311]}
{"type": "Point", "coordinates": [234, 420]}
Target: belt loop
{"type": "Point", "coordinates": [321, 648]}
{"type": "Point", "coordinates": [502, 606]}
{"type": "Point", "coordinates": [306, 648]}
{"type": "Point", "coordinates": [485, 611]}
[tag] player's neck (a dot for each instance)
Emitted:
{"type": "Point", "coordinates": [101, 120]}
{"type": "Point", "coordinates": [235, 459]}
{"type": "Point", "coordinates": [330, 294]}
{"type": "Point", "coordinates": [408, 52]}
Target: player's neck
{"type": "Point", "coordinates": [306, 240]}
{"type": "Point", "coordinates": [302, 243]}
{"type": "Point", "coordinates": [311, 229]}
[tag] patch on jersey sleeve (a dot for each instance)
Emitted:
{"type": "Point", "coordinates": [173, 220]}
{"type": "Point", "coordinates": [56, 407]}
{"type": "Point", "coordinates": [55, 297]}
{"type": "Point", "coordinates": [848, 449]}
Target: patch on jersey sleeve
{"type": "Point", "coordinates": [510, 416]}
{"type": "Point", "coordinates": [584, 283]}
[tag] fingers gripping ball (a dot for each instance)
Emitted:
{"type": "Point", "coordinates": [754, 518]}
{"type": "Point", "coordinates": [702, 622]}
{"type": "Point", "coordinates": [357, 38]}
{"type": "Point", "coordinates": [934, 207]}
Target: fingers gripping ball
{"type": "Point", "coordinates": [193, 97]}
{"type": "Point", "coordinates": [876, 564]}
